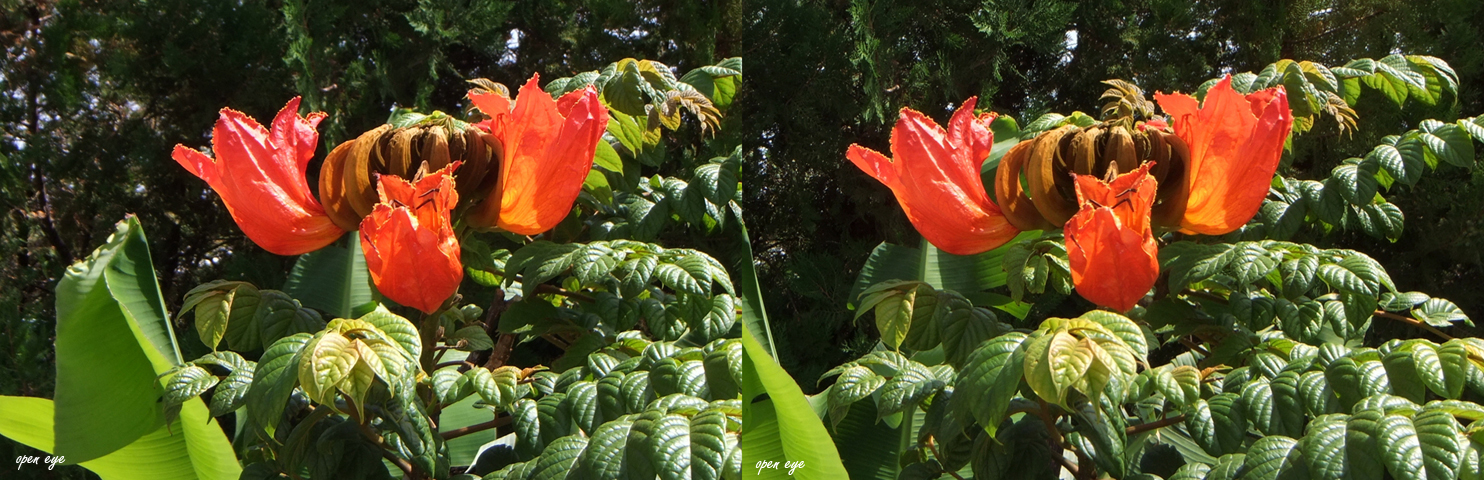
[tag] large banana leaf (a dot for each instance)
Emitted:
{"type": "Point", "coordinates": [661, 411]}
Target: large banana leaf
{"type": "Point", "coordinates": [970, 275]}
{"type": "Point", "coordinates": [113, 341]}
{"type": "Point", "coordinates": [191, 448]}
{"type": "Point", "coordinates": [779, 424]}
{"type": "Point", "coordinates": [462, 450]}
{"type": "Point", "coordinates": [333, 280]}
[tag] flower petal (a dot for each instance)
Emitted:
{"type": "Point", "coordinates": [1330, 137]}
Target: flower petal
{"type": "Point", "coordinates": [409, 242]}
{"type": "Point", "coordinates": [548, 150]}
{"type": "Point", "coordinates": [935, 177]}
{"type": "Point", "coordinates": [1235, 145]}
{"type": "Point", "coordinates": [260, 177]}
{"type": "Point", "coordinates": [1112, 266]}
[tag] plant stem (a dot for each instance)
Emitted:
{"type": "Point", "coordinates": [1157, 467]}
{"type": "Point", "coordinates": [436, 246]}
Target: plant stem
{"type": "Point", "coordinates": [1414, 322]}
{"type": "Point", "coordinates": [459, 432]}
{"type": "Point", "coordinates": [449, 364]}
{"type": "Point", "coordinates": [553, 289]}
{"type": "Point", "coordinates": [933, 447]}
{"type": "Point", "coordinates": [386, 453]}
{"type": "Point", "coordinates": [1144, 427]}
{"type": "Point", "coordinates": [429, 334]}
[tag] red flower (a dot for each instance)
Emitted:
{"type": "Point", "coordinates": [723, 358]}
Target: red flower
{"type": "Point", "coordinates": [1235, 144]}
{"type": "Point", "coordinates": [260, 176]}
{"type": "Point", "coordinates": [935, 176]}
{"type": "Point", "coordinates": [409, 243]}
{"type": "Point", "coordinates": [1110, 244]}
{"type": "Point", "coordinates": [548, 150]}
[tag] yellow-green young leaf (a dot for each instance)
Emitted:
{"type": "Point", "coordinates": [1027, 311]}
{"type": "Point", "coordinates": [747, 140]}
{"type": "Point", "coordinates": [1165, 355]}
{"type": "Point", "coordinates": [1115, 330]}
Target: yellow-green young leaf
{"type": "Point", "coordinates": [216, 304]}
{"type": "Point", "coordinates": [1053, 363]}
{"type": "Point", "coordinates": [367, 368]}
{"type": "Point", "coordinates": [894, 318]}
{"type": "Point", "coordinates": [327, 361]}
{"type": "Point", "coordinates": [1099, 372]}
{"type": "Point", "coordinates": [1124, 329]}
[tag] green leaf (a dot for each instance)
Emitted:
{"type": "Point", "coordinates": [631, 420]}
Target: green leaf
{"type": "Point", "coordinates": [963, 326]}
{"type": "Point", "coordinates": [1440, 313]}
{"type": "Point", "coordinates": [1363, 455]}
{"type": "Point", "coordinates": [333, 279]}
{"type": "Point", "coordinates": [113, 339]}
{"type": "Point", "coordinates": [1400, 449]}
{"type": "Point", "coordinates": [854, 384]}
{"type": "Point", "coordinates": [989, 380]}
{"type": "Point", "coordinates": [903, 391]}
{"type": "Point", "coordinates": [1193, 262]}
{"type": "Point", "coordinates": [276, 376]}
{"type": "Point", "coordinates": [969, 275]}
{"type": "Point", "coordinates": [187, 383]}
{"type": "Point", "coordinates": [1275, 457]}
{"type": "Point", "coordinates": [1342, 279]}
{"type": "Point", "coordinates": [557, 459]}
{"type": "Point", "coordinates": [1448, 142]}
{"type": "Point", "coordinates": [1438, 434]}
{"type": "Point", "coordinates": [195, 448]}
{"type": "Point", "coordinates": [1323, 447]}
{"type": "Point", "coordinates": [279, 316]}
{"type": "Point", "coordinates": [604, 456]}
{"type": "Point", "coordinates": [1230, 423]}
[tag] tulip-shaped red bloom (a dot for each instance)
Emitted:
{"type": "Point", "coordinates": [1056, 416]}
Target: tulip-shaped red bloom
{"type": "Point", "coordinates": [409, 242]}
{"type": "Point", "coordinates": [1110, 243]}
{"type": "Point", "coordinates": [260, 176]}
{"type": "Point", "coordinates": [935, 176]}
{"type": "Point", "coordinates": [1235, 144]}
{"type": "Point", "coordinates": [548, 150]}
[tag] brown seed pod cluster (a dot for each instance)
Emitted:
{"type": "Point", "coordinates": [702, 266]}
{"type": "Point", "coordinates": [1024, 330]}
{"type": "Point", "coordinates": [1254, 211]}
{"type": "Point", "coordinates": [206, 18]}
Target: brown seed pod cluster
{"type": "Point", "coordinates": [347, 183]}
{"type": "Point", "coordinates": [1050, 162]}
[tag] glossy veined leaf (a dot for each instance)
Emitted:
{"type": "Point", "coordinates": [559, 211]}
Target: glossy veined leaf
{"type": "Point", "coordinates": [903, 391]}
{"type": "Point", "coordinates": [854, 384]}
{"type": "Point", "coordinates": [1323, 447]}
{"type": "Point", "coordinates": [989, 379]}
{"type": "Point", "coordinates": [274, 380]}
{"type": "Point", "coordinates": [1275, 457]}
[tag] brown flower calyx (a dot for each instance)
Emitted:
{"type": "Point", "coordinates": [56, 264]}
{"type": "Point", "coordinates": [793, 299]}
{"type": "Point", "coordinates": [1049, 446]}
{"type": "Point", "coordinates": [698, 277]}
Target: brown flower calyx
{"type": "Point", "coordinates": [347, 183]}
{"type": "Point", "coordinates": [1051, 161]}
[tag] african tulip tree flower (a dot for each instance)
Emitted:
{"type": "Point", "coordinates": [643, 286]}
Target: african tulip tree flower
{"type": "Point", "coordinates": [408, 238]}
{"type": "Point", "coordinates": [935, 176]}
{"type": "Point", "coordinates": [548, 148]}
{"type": "Point", "coordinates": [1110, 243]}
{"type": "Point", "coordinates": [259, 174]}
{"type": "Point", "coordinates": [1235, 144]}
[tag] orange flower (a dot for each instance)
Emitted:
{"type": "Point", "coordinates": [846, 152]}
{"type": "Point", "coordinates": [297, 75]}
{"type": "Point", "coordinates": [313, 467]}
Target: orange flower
{"type": "Point", "coordinates": [548, 151]}
{"type": "Point", "coordinates": [1235, 144]}
{"type": "Point", "coordinates": [260, 176]}
{"type": "Point", "coordinates": [408, 239]}
{"type": "Point", "coordinates": [1110, 244]}
{"type": "Point", "coordinates": [935, 176]}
